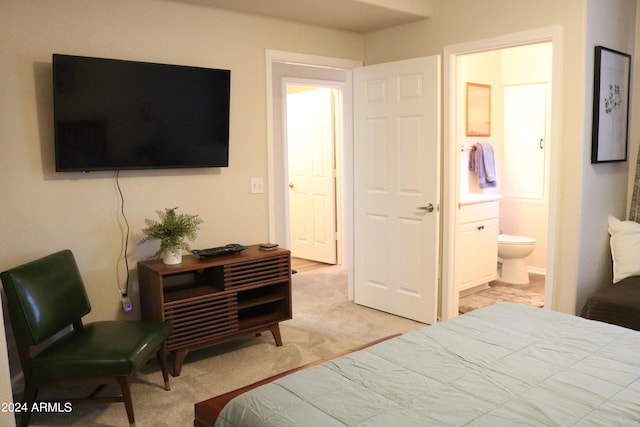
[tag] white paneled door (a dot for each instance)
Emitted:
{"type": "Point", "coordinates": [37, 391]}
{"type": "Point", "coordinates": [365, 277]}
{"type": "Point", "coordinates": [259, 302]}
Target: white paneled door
{"type": "Point", "coordinates": [396, 187]}
{"type": "Point", "coordinates": [312, 200]}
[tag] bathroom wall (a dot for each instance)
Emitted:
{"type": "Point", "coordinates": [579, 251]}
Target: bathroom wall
{"type": "Point", "coordinates": [515, 66]}
{"type": "Point", "coordinates": [482, 68]}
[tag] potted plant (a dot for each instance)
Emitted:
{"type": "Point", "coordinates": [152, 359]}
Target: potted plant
{"type": "Point", "coordinates": [173, 230]}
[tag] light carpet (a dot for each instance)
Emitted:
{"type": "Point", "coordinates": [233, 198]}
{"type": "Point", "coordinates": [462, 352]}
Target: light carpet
{"type": "Point", "coordinates": [320, 304]}
{"type": "Point", "coordinates": [324, 323]}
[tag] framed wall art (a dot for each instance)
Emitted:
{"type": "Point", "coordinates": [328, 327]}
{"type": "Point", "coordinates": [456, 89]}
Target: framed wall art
{"type": "Point", "coordinates": [609, 138]}
{"type": "Point", "coordinates": [478, 110]}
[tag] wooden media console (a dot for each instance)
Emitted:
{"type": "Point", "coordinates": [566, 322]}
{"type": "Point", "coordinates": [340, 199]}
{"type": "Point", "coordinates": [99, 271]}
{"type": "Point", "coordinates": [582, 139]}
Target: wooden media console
{"type": "Point", "coordinates": [217, 299]}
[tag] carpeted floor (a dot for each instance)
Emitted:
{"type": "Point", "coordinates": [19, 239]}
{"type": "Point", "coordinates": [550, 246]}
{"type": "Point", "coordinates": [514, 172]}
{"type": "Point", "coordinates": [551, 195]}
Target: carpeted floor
{"type": "Point", "coordinates": [321, 305]}
{"type": "Point", "coordinates": [206, 373]}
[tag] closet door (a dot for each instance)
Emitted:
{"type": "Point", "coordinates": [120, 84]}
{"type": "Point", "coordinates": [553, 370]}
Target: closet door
{"type": "Point", "coordinates": [525, 110]}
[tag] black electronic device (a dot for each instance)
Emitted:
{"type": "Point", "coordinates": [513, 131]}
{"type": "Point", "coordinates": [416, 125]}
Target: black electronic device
{"type": "Point", "coordinates": [230, 249]}
{"type": "Point", "coordinates": [113, 114]}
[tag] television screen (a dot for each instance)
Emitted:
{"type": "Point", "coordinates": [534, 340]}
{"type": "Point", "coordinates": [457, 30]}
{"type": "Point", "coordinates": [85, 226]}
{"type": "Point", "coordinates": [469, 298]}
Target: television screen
{"type": "Point", "coordinates": [114, 115]}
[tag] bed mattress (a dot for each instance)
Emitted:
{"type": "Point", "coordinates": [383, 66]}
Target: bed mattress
{"type": "Point", "coordinates": [505, 364]}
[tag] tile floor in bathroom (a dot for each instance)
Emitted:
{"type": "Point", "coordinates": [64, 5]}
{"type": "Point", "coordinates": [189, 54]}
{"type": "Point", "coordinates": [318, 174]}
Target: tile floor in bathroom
{"type": "Point", "coordinates": [531, 294]}
{"type": "Point", "coordinates": [536, 284]}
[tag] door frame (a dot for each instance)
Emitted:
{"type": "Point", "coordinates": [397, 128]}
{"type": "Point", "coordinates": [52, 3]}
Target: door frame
{"type": "Point", "coordinates": [276, 161]}
{"type": "Point", "coordinates": [451, 167]}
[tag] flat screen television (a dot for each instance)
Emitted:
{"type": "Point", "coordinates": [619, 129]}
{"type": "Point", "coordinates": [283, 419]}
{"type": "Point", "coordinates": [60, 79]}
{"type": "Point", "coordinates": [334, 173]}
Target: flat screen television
{"type": "Point", "coordinates": [112, 114]}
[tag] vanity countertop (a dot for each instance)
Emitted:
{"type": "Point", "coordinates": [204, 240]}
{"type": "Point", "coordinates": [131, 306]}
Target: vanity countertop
{"type": "Point", "coordinates": [475, 198]}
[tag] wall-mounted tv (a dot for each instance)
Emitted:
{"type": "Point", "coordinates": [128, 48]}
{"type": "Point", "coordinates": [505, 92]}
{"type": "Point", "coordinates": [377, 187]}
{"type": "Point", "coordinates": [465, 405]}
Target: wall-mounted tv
{"type": "Point", "coordinates": [112, 114]}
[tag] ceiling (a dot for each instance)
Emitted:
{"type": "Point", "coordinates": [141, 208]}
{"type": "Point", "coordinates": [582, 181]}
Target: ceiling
{"type": "Point", "coordinates": [359, 16]}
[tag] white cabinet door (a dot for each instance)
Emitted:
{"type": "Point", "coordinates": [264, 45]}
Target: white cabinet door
{"type": "Point", "coordinates": [477, 245]}
{"type": "Point", "coordinates": [466, 256]}
{"type": "Point", "coordinates": [487, 252]}
{"type": "Point", "coordinates": [525, 141]}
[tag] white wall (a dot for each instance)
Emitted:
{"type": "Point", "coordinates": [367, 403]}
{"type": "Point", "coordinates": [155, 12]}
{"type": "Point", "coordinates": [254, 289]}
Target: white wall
{"type": "Point", "coordinates": [483, 68]}
{"type": "Point", "coordinates": [604, 185]}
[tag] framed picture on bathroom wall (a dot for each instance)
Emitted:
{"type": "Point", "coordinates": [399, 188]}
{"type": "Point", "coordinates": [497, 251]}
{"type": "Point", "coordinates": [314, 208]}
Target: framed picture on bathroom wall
{"type": "Point", "coordinates": [611, 81]}
{"type": "Point", "coordinates": [478, 110]}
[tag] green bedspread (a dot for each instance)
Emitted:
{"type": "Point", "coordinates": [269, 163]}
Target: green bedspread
{"type": "Point", "coordinates": [507, 364]}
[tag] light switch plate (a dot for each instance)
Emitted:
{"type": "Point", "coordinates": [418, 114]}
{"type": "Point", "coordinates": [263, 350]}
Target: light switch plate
{"type": "Point", "coordinates": [257, 185]}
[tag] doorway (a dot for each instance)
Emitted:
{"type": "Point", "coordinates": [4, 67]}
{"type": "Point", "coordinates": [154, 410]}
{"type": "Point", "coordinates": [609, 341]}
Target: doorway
{"type": "Point", "coordinates": [335, 72]}
{"type": "Point", "coordinates": [519, 79]}
{"type": "Point", "coordinates": [312, 133]}
{"type": "Point", "coordinates": [454, 74]}
{"type": "Point", "coordinates": [282, 66]}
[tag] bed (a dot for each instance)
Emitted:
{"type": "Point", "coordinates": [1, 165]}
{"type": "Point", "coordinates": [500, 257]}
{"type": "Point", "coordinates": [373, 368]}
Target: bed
{"type": "Point", "coordinates": [504, 364]}
{"type": "Point", "coordinates": [618, 304]}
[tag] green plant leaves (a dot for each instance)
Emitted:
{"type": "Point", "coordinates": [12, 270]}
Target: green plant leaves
{"type": "Point", "coordinates": [172, 230]}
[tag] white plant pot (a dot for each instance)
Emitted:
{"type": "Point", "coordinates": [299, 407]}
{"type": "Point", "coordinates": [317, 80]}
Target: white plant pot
{"type": "Point", "coordinates": [172, 256]}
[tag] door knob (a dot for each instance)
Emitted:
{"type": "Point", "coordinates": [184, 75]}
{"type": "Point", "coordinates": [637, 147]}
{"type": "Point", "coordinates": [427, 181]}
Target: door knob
{"type": "Point", "coordinates": [291, 185]}
{"type": "Point", "coordinates": [428, 208]}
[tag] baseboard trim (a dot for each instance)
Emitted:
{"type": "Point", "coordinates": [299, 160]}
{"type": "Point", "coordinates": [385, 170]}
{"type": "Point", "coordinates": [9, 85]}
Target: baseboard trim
{"type": "Point", "coordinates": [537, 270]}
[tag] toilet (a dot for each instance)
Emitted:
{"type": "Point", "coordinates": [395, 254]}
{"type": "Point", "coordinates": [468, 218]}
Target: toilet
{"type": "Point", "coordinates": [512, 250]}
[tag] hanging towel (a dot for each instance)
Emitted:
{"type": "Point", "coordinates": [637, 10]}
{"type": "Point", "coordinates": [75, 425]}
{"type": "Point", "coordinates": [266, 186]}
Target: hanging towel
{"type": "Point", "coordinates": [489, 162]}
{"type": "Point", "coordinates": [482, 162]}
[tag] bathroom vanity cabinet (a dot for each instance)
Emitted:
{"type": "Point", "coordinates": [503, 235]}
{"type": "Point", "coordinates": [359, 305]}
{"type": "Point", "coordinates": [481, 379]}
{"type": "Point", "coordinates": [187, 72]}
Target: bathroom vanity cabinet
{"type": "Point", "coordinates": [477, 244]}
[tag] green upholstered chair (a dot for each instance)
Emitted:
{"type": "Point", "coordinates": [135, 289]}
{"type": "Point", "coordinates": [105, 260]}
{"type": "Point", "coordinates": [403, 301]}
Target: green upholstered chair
{"type": "Point", "coordinates": [46, 300]}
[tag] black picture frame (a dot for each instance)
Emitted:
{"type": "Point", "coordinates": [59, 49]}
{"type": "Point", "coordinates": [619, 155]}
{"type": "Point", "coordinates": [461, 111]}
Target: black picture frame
{"type": "Point", "coordinates": [611, 83]}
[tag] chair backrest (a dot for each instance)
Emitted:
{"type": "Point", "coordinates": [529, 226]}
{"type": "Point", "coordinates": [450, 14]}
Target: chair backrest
{"type": "Point", "coordinates": [44, 297]}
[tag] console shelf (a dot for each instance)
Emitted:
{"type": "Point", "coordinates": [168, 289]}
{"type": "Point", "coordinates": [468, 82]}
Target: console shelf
{"type": "Point", "coordinates": [217, 299]}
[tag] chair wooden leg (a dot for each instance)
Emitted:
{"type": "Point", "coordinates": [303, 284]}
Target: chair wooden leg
{"type": "Point", "coordinates": [30, 394]}
{"type": "Point", "coordinates": [162, 356]}
{"type": "Point", "coordinates": [126, 395]}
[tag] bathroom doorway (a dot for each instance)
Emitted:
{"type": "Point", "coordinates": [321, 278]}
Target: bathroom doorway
{"type": "Point", "coordinates": [527, 202]}
{"type": "Point", "coordinates": [519, 78]}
